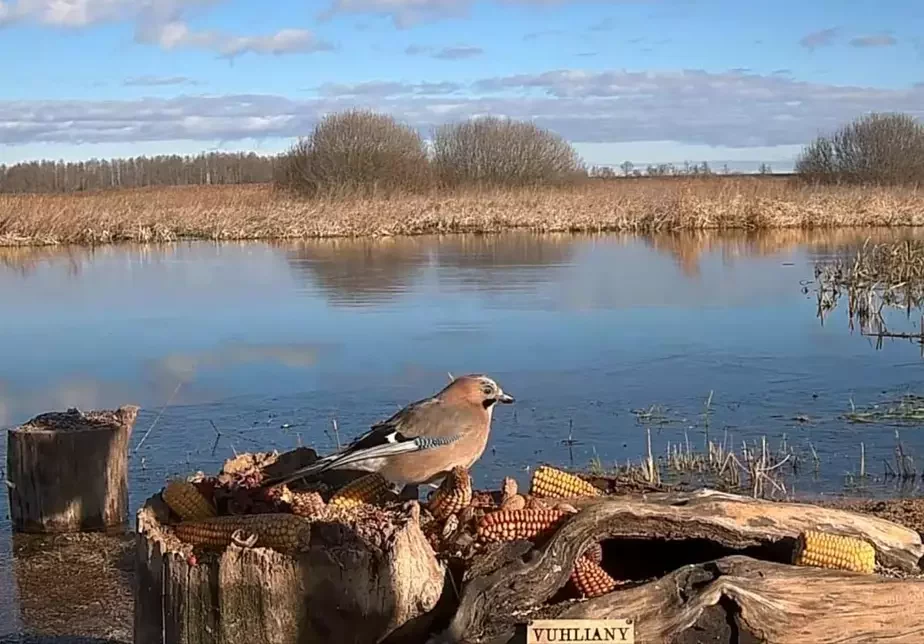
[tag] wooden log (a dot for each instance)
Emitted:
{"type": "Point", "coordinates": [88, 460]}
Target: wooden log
{"type": "Point", "coordinates": [767, 602]}
{"type": "Point", "coordinates": [712, 524]}
{"type": "Point", "coordinates": [68, 471]}
{"type": "Point", "coordinates": [356, 580]}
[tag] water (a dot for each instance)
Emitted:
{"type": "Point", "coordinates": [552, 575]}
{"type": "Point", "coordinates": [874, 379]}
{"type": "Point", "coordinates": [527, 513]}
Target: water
{"type": "Point", "coordinates": [272, 342]}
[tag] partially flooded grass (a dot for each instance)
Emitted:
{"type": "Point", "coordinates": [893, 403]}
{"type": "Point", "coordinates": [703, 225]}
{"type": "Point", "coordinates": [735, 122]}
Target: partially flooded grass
{"type": "Point", "coordinates": [906, 410]}
{"type": "Point", "coordinates": [876, 279]}
{"type": "Point", "coordinates": [259, 212]}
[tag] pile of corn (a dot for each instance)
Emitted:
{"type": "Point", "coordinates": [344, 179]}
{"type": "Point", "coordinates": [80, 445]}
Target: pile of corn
{"type": "Point", "coordinates": [462, 517]}
{"type": "Point", "coordinates": [281, 521]}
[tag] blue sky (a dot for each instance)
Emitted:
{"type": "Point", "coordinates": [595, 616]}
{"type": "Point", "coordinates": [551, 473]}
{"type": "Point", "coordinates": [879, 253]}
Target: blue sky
{"type": "Point", "coordinates": [647, 80]}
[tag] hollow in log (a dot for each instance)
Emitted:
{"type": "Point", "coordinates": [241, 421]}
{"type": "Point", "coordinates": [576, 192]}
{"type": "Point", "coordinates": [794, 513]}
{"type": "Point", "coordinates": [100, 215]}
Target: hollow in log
{"type": "Point", "coordinates": [68, 471]}
{"type": "Point", "coordinates": [767, 602]}
{"type": "Point", "coordinates": [357, 578]}
{"type": "Point", "coordinates": [647, 539]}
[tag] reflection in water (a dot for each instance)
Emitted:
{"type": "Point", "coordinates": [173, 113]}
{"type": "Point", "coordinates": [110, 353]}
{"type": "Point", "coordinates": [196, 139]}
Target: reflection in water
{"type": "Point", "coordinates": [254, 339]}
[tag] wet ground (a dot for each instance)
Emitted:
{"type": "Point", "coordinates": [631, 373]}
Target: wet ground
{"type": "Point", "coordinates": [261, 346]}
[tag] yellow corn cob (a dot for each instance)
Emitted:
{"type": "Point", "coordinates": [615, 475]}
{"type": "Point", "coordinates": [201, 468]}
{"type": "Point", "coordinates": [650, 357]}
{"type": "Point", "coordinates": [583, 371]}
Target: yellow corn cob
{"type": "Point", "coordinates": [510, 525]}
{"type": "Point", "coordinates": [279, 531]}
{"type": "Point", "coordinates": [307, 504]}
{"type": "Point", "coordinates": [590, 579]}
{"type": "Point", "coordinates": [550, 482]}
{"type": "Point", "coordinates": [453, 494]}
{"type": "Point", "coordinates": [823, 550]}
{"type": "Point", "coordinates": [370, 489]}
{"type": "Point", "coordinates": [186, 501]}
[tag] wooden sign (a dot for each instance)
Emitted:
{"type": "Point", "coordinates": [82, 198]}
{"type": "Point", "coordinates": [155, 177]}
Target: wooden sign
{"type": "Point", "coordinates": [555, 631]}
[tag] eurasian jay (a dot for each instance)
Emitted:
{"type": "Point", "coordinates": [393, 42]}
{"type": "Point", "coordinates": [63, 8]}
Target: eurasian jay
{"type": "Point", "coordinates": [422, 442]}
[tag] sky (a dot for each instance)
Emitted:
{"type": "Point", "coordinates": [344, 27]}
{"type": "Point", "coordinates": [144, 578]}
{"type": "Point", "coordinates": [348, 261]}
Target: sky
{"type": "Point", "coordinates": [648, 81]}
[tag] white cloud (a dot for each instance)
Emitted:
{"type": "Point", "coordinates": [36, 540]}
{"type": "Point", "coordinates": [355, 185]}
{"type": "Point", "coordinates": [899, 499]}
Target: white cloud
{"type": "Point", "coordinates": [403, 13]}
{"type": "Point", "coordinates": [157, 22]}
{"type": "Point", "coordinates": [732, 109]}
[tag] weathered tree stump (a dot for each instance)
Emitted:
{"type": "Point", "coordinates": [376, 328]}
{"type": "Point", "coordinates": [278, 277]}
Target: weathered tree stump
{"type": "Point", "coordinates": [68, 471]}
{"type": "Point", "coordinates": [647, 538]}
{"type": "Point", "coordinates": [356, 580]}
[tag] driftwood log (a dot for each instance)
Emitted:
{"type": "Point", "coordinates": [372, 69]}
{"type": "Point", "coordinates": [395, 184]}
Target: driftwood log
{"type": "Point", "coordinates": [723, 540]}
{"type": "Point", "coordinates": [68, 471]}
{"type": "Point", "coordinates": [763, 601]}
{"type": "Point", "coordinates": [356, 581]}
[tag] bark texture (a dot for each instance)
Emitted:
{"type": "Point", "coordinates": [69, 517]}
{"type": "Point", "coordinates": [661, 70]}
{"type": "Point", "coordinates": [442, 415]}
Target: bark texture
{"type": "Point", "coordinates": [69, 471]}
{"type": "Point", "coordinates": [704, 526]}
{"type": "Point", "coordinates": [353, 582]}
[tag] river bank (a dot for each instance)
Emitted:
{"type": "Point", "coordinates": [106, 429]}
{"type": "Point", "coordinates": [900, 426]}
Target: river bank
{"type": "Point", "coordinates": [249, 212]}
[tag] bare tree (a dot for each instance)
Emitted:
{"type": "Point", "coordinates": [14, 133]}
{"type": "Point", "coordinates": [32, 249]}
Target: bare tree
{"type": "Point", "coordinates": [884, 149]}
{"type": "Point", "coordinates": [357, 152]}
{"type": "Point", "coordinates": [502, 152]}
{"type": "Point", "coordinates": [105, 174]}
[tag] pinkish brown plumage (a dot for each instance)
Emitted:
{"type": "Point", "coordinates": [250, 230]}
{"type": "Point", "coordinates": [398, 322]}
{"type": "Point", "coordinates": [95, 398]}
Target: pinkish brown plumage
{"type": "Point", "coordinates": [423, 441]}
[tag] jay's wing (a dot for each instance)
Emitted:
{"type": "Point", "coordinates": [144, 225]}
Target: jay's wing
{"type": "Point", "coordinates": [408, 430]}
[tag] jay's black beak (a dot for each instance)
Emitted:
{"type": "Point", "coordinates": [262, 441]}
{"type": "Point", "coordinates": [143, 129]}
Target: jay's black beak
{"type": "Point", "coordinates": [505, 398]}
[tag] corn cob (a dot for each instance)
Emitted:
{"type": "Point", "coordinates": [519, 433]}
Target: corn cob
{"type": "Point", "coordinates": [307, 504]}
{"type": "Point", "coordinates": [186, 501]}
{"type": "Point", "coordinates": [590, 579]}
{"type": "Point", "coordinates": [279, 531]}
{"type": "Point", "coordinates": [550, 482]}
{"type": "Point", "coordinates": [510, 525]}
{"type": "Point", "coordinates": [824, 550]}
{"type": "Point", "coordinates": [453, 494]}
{"type": "Point", "coordinates": [371, 489]}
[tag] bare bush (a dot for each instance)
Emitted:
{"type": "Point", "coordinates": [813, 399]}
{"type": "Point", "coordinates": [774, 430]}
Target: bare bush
{"type": "Point", "coordinates": [501, 152]}
{"type": "Point", "coordinates": [882, 149]}
{"type": "Point", "coordinates": [359, 153]}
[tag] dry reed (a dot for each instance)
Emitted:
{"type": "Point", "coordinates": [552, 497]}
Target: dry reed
{"type": "Point", "coordinates": [259, 212]}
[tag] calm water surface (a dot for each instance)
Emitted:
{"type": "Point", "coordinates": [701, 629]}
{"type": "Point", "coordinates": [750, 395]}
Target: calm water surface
{"type": "Point", "coordinates": [272, 342]}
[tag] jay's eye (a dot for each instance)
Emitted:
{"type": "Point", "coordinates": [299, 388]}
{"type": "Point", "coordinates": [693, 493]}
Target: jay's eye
{"type": "Point", "coordinates": [487, 390]}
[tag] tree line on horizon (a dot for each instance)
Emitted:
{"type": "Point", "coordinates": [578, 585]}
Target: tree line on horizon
{"type": "Point", "coordinates": [364, 152]}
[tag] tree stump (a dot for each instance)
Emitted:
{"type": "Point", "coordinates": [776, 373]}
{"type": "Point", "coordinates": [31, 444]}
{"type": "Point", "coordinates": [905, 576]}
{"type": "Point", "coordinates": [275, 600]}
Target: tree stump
{"type": "Point", "coordinates": [68, 471]}
{"type": "Point", "coordinates": [352, 580]}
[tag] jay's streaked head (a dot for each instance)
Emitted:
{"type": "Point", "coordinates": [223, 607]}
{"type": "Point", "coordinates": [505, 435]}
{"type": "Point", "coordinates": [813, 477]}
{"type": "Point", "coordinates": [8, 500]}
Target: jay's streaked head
{"type": "Point", "coordinates": [476, 388]}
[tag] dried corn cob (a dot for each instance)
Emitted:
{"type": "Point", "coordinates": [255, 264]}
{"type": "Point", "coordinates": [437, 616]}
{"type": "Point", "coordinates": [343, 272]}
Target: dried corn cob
{"type": "Point", "coordinates": [186, 501]}
{"type": "Point", "coordinates": [510, 525]}
{"type": "Point", "coordinates": [550, 482]}
{"type": "Point", "coordinates": [307, 504]}
{"type": "Point", "coordinates": [824, 550]}
{"type": "Point", "coordinates": [371, 489]}
{"type": "Point", "coordinates": [590, 579]}
{"type": "Point", "coordinates": [280, 531]}
{"type": "Point", "coordinates": [453, 494]}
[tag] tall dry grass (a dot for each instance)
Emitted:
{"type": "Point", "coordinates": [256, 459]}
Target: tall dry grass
{"type": "Point", "coordinates": [259, 212]}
